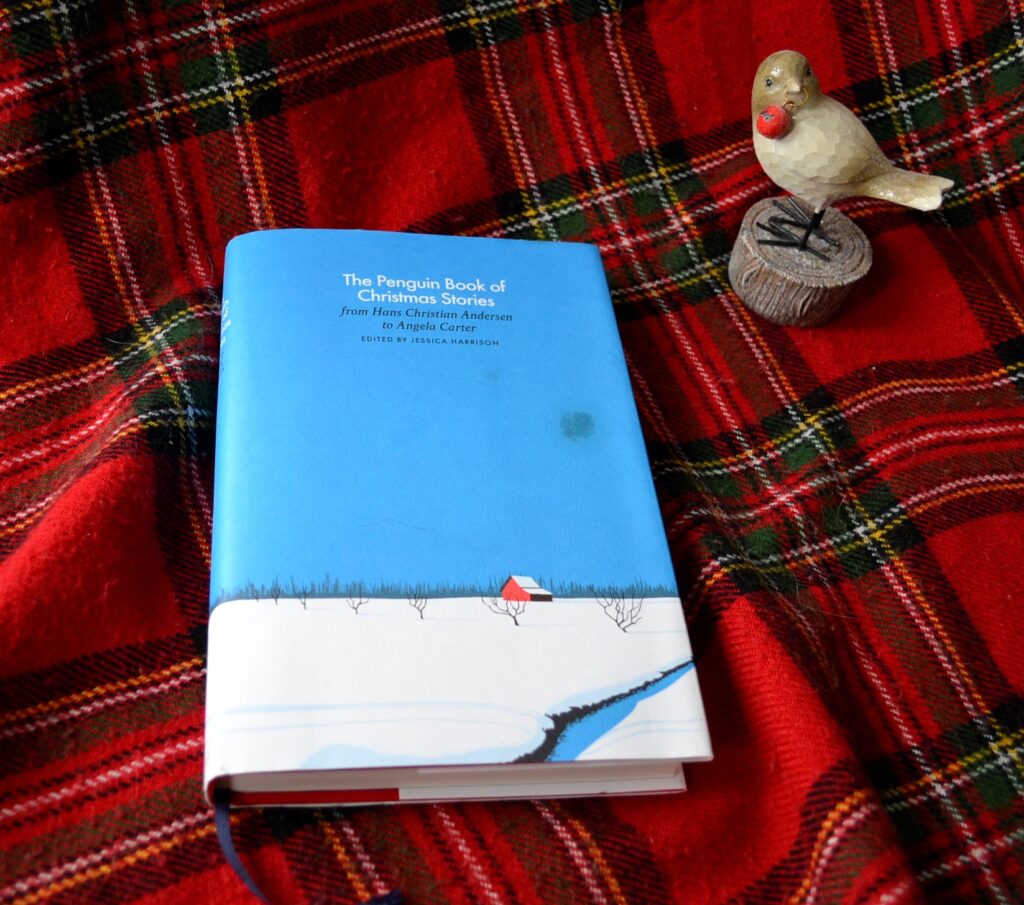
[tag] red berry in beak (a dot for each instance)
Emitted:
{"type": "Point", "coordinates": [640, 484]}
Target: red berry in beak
{"type": "Point", "coordinates": [774, 122]}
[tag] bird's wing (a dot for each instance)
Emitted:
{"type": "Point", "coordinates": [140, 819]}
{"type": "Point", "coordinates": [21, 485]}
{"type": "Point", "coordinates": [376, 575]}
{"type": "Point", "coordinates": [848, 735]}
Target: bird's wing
{"type": "Point", "coordinates": [836, 144]}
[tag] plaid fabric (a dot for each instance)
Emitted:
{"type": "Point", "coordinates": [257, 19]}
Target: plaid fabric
{"type": "Point", "coordinates": [845, 504]}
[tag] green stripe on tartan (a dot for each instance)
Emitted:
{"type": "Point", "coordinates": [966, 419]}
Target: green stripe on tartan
{"type": "Point", "coordinates": [216, 108]}
{"type": "Point", "coordinates": [806, 431]}
{"type": "Point", "coordinates": [137, 346]}
{"type": "Point", "coordinates": [866, 528]}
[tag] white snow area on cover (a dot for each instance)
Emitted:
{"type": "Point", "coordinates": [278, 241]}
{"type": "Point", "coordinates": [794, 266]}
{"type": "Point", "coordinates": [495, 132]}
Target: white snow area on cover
{"type": "Point", "coordinates": [325, 687]}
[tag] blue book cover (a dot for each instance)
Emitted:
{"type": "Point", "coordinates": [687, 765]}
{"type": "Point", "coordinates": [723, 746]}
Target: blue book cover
{"type": "Point", "coordinates": [439, 568]}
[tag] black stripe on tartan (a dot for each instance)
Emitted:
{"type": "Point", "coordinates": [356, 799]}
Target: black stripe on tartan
{"type": "Point", "coordinates": [1011, 353]}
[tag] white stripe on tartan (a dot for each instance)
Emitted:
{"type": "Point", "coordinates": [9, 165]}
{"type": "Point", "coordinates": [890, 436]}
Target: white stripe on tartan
{"type": "Point", "coordinates": [475, 869]}
{"type": "Point", "coordinates": [913, 156]}
{"type": "Point", "coordinates": [980, 854]}
{"type": "Point", "coordinates": [94, 785]}
{"type": "Point", "coordinates": [365, 861]}
{"type": "Point", "coordinates": [872, 461]}
{"type": "Point", "coordinates": [861, 532]}
{"type": "Point", "coordinates": [945, 84]}
{"type": "Point", "coordinates": [936, 790]}
{"type": "Point", "coordinates": [108, 853]}
{"type": "Point", "coordinates": [229, 20]}
{"type": "Point", "coordinates": [957, 780]}
{"type": "Point", "coordinates": [624, 240]}
{"type": "Point", "coordinates": [636, 109]}
{"type": "Point", "coordinates": [576, 854]}
{"type": "Point", "coordinates": [928, 622]}
{"type": "Point", "coordinates": [841, 413]}
{"type": "Point", "coordinates": [102, 703]}
{"type": "Point", "coordinates": [157, 416]}
{"type": "Point", "coordinates": [119, 404]}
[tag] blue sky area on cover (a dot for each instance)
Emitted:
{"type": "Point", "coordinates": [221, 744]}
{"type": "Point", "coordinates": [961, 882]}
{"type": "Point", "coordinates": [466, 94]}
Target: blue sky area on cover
{"type": "Point", "coordinates": [426, 462]}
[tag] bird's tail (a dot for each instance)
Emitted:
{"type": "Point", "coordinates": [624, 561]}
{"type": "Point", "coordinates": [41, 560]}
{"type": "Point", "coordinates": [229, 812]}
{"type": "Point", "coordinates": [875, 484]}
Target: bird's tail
{"type": "Point", "coordinates": [917, 190]}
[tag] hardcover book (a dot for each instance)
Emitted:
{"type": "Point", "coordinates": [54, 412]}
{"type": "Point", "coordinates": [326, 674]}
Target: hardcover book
{"type": "Point", "coordinates": [439, 569]}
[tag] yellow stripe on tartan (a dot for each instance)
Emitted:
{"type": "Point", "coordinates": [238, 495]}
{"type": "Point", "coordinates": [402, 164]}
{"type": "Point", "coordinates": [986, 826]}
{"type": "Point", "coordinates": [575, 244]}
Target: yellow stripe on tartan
{"type": "Point", "coordinates": [815, 419]}
{"type": "Point", "coordinates": [891, 555]}
{"type": "Point", "coordinates": [893, 103]}
{"type": "Point", "coordinates": [346, 862]}
{"type": "Point", "coordinates": [81, 697]}
{"type": "Point", "coordinates": [883, 77]}
{"type": "Point", "coordinates": [142, 341]}
{"type": "Point", "coordinates": [652, 143]}
{"type": "Point", "coordinates": [710, 274]}
{"type": "Point", "coordinates": [105, 870]}
{"type": "Point", "coordinates": [1008, 743]}
{"type": "Point", "coordinates": [97, 210]}
{"type": "Point", "coordinates": [603, 868]}
{"type": "Point", "coordinates": [835, 817]}
{"type": "Point", "coordinates": [941, 81]}
{"type": "Point", "coordinates": [610, 187]}
{"type": "Point", "coordinates": [247, 122]}
{"type": "Point", "coordinates": [8, 12]}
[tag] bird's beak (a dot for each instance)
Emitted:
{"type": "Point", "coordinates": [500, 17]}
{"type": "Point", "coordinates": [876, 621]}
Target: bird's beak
{"type": "Point", "coordinates": [795, 93]}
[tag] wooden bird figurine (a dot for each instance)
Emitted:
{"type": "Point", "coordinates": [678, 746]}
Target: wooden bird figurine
{"type": "Point", "coordinates": [818, 150]}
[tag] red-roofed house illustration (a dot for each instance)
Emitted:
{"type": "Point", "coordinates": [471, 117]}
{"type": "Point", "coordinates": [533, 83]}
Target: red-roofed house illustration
{"type": "Point", "coordinates": [522, 587]}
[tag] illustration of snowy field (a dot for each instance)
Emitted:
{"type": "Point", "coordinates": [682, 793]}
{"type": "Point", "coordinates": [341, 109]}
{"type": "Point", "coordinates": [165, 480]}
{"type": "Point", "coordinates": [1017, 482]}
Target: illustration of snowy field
{"type": "Point", "coordinates": [399, 682]}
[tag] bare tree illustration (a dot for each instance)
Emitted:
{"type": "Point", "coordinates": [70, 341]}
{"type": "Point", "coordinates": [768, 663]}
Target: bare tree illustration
{"type": "Point", "coordinates": [356, 598]}
{"type": "Point", "coordinates": [300, 594]}
{"type": "Point", "coordinates": [417, 600]}
{"type": "Point", "coordinates": [253, 591]}
{"type": "Point", "coordinates": [621, 607]}
{"type": "Point", "coordinates": [503, 607]}
{"type": "Point", "coordinates": [276, 590]}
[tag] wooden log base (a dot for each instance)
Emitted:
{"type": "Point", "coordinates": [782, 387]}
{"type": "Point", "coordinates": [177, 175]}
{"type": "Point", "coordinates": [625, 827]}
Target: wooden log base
{"type": "Point", "coordinates": [790, 286]}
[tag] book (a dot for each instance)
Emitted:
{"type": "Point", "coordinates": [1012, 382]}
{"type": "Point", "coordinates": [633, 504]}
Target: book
{"type": "Point", "coordinates": [439, 569]}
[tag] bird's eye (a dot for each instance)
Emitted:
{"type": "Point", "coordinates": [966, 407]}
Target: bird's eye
{"type": "Point", "coordinates": [768, 83]}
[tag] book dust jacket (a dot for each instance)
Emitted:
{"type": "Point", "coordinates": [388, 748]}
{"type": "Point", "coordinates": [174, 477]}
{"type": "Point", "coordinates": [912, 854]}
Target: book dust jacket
{"type": "Point", "coordinates": [436, 538]}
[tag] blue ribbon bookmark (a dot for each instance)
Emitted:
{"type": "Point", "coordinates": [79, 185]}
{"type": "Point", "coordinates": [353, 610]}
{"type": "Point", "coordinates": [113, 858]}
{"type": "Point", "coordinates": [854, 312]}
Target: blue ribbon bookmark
{"type": "Point", "coordinates": [222, 820]}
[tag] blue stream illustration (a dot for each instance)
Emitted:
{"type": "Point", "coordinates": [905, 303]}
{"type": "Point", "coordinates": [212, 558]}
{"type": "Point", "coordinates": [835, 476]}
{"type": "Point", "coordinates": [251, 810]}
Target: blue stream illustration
{"type": "Point", "coordinates": [575, 729]}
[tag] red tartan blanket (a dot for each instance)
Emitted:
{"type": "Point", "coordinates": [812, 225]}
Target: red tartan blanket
{"type": "Point", "coordinates": [845, 504]}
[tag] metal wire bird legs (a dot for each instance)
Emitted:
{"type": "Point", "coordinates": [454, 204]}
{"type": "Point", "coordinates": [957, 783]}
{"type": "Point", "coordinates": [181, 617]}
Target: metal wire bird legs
{"type": "Point", "coordinates": [795, 216]}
